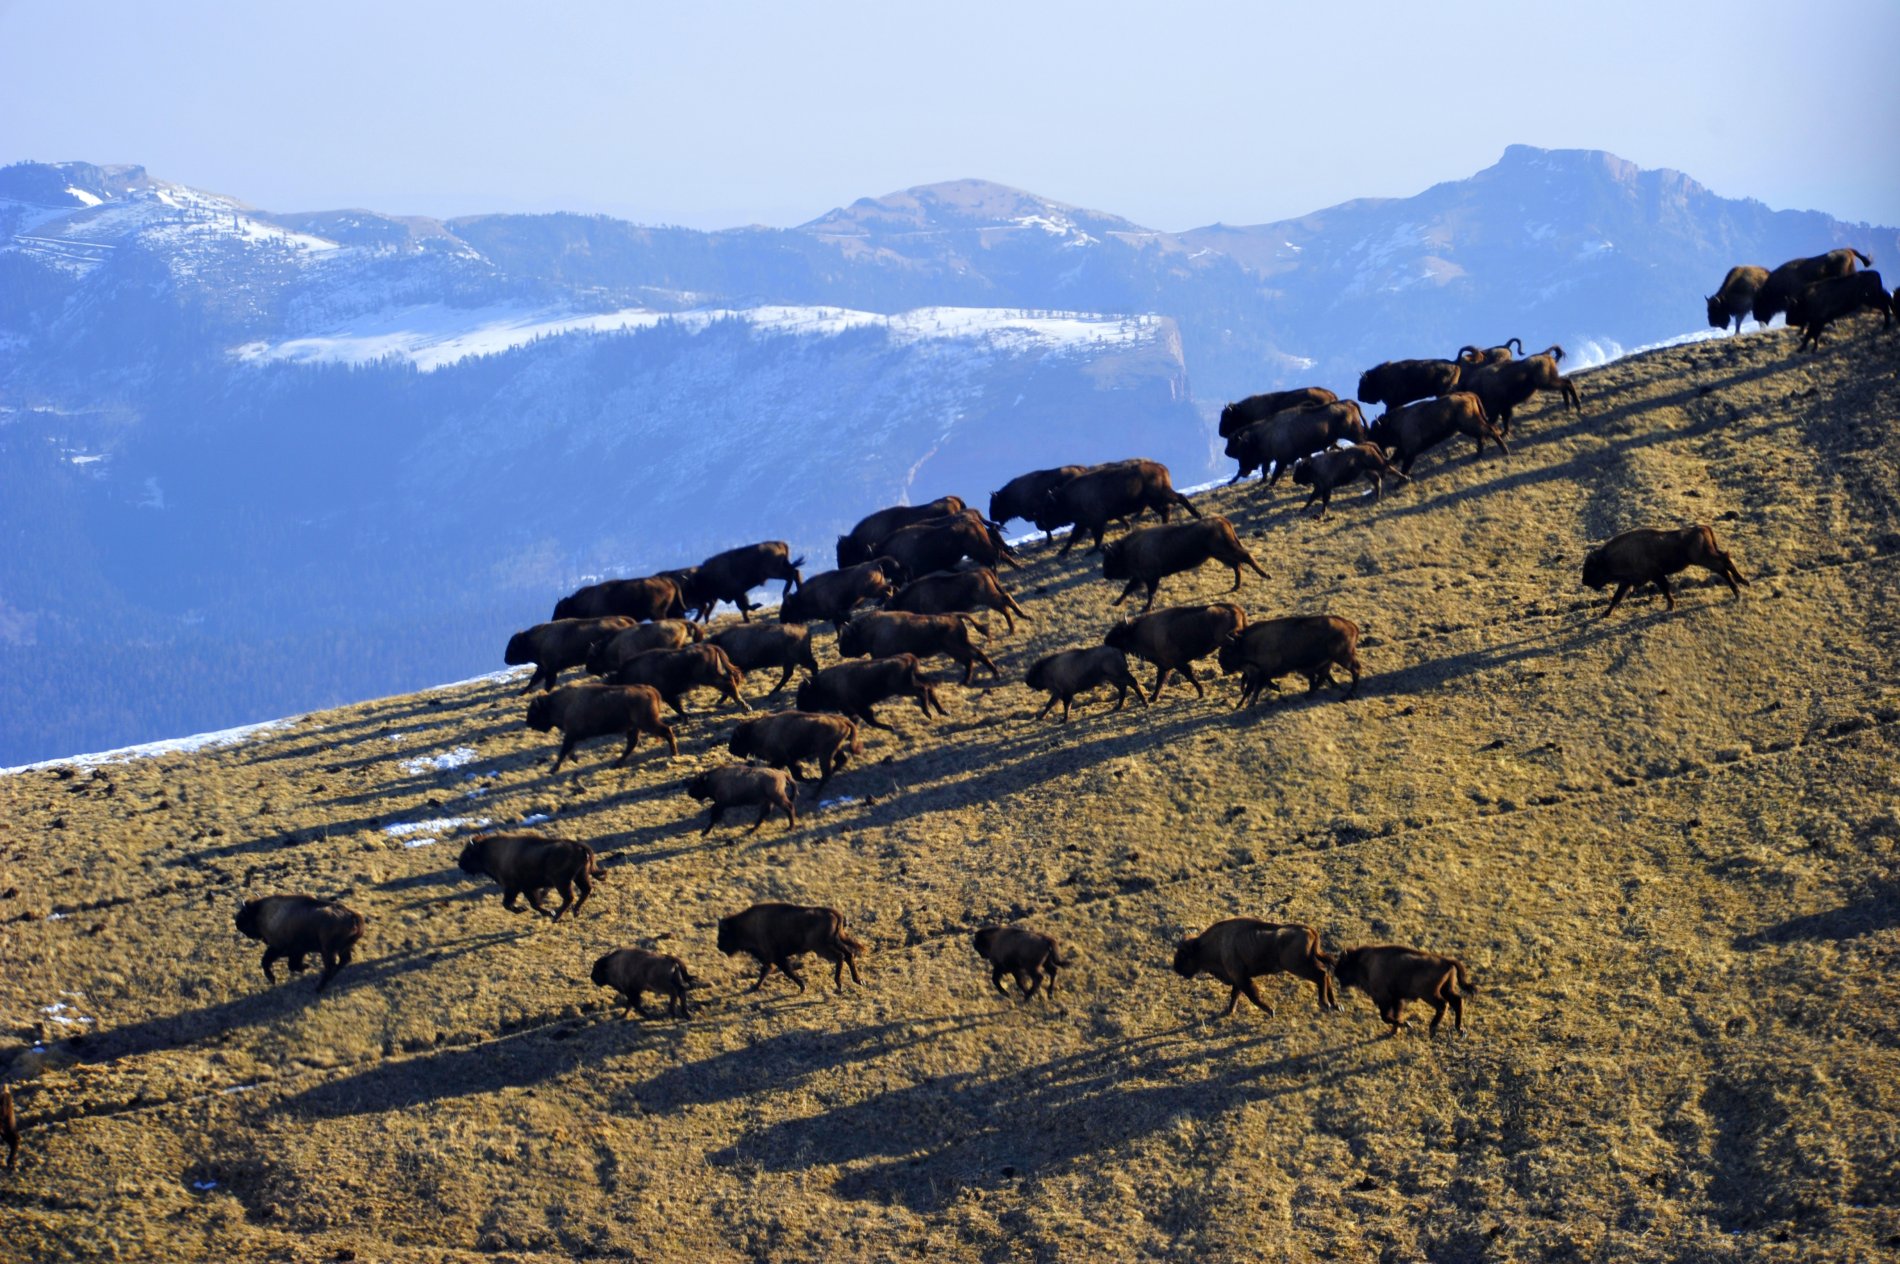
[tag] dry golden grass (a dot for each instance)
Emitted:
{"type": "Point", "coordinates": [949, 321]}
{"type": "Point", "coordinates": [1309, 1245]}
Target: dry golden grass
{"type": "Point", "coordinates": [1664, 843]}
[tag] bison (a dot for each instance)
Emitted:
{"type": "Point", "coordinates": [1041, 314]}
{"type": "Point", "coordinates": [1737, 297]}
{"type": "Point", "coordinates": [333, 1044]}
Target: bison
{"type": "Point", "coordinates": [668, 634]}
{"type": "Point", "coordinates": [1392, 975]}
{"type": "Point", "coordinates": [672, 673]}
{"type": "Point", "coordinates": [1147, 556]}
{"type": "Point", "coordinates": [731, 575]}
{"type": "Point", "coordinates": [1325, 472]}
{"type": "Point", "coordinates": [1827, 301]}
{"type": "Point", "coordinates": [775, 933]}
{"type": "Point", "coordinates": [1649, 555]}
{"type": "Point", "coordinates": [1023, 495]}
{"type": "Point", "coordinates": [786, 739]}
{"type": "Point", "coordinates": [830, 596]}
{"type": "Point", "coordinates": [632, 971]}
{"type": "Point", "coordinates": [654, 597]}
{"type": "Point", "coordinates": [528, 864]}
{"type": "Point", "coordinates": [1238, 416]}
{"type": "Point", "coordinates": [1029, 955]}
{"type": "Point", "coordinates": [1307, 645]}
{"type": "Point", "coordinates": [743, 786]}
{"type": "Point", "coordinates": [584, 712]}
{"type": "Point", "coordinates": [1069, 672]}
{"type": "Point", "coordinates": [1401, 381]}
{"type": "Point", "coordinates": [555, 647]}
{"type": "Point", "coordinates": [1736, 297]}
{"type": "Point", "coordinates": [886, 634]}
{"type": "Point", "coordinates": [1284, 437]}
{"type": "Point", "coordinates": [853, 689]}
{"type": "Point", "coordinates": [1172, 639]}
{"type": "Point", "coordinates": [1502, 387]}
{"type": "Point", "coordinates": [1090, 501]}
{"type": "Point", "coordinates": [1241, 949]}
{"type": "Point", "coordinates": [873, 529]}
{"type": "Point", "coordinates": [1787, 281]}
{"type": "Point", "coordinates": [957, 592]}
{"type": "Point", "coordinates": [1411, 429]}
{"type": "Point", "coordinates": [296, 926]}
{"type": "Point", "coordinates": [757, 646]}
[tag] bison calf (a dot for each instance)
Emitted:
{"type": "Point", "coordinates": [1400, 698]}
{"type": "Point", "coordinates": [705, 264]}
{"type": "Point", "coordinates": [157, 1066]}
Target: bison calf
{"type": "Point", "coordinates": [1029, 955]}
{"type": "Point", "coordinates": [1649, 555]}
{"type": "Point", "coordinates": [1824, 302]}
{"type": "Point", "coordinates": [1392, 975]}
{"type": "Point", "coordinates": [1067, 673]}
{"type": "Point", "coordinates": [631, 971]}
{"type": "Point", "coordinates": [1241, 949]}
{"type": "Point", "coordinates": [1147, 556]}
{"type": "Point", "coordinates": [530, 865]}
{"type": "Point", "coordinates": [775, 933]}
{"type": "Point", "coordinates": [786, 739]}
{"type": "Point", "coordinates": [295, 926]}
{"type": "Point", "coordinates": [1310, 645]}
{"type": "Point", "coordinates": [744, 786]}
{"type": "Point", "coordinates": [584, 712]}
{"type": "Point", "coordinates": [1325, 472]}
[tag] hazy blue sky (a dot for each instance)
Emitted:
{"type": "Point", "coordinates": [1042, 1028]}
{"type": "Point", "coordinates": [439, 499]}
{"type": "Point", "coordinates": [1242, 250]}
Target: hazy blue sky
{"type": "Point", "coordinates": [716, 114]}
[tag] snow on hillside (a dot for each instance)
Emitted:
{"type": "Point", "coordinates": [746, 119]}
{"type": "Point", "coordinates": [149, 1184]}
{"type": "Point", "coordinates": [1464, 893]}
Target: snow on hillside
{"type": "Point", "coordinates": [433, 335]}
{"type": "Point", "coordinates": [166, 217]}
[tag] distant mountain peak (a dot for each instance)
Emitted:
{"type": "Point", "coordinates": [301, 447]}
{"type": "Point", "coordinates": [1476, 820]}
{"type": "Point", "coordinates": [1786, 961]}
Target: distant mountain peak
{"type": "Point", "coordinates": [961, 205]}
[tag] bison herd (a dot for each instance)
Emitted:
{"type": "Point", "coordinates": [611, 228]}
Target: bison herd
{"type": "Point", "coordinates": [928, 572]}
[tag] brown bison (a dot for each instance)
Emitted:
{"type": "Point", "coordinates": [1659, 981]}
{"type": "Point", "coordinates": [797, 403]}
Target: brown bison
{"type": "Point", "coordinates": [1023, 495]}
{"type": "Point", "coordinates": [555, 647]}
{"type": "Point", "coordinates": [854, 689]}
{"type": "Point", "coordinates": [1401, 381]}
{"type": "Point", "coordinates": [530, 865]}
{"type": "Point", "coordinates": [1392, 975]}
{"type": "Point", "coordinates": [1029, 955]}
{"type": "Point", "coordinates": [1503, 387]}
{"type": "Point", "coordinates": [886, 634]}
{"type": "Point", "coordinates": [1069, 672]}
{"type": "Point", "coordinates": [1470, 357]}
{"type": "Point", "coordinates": [1241, 949]}
{"type": "Point", "coordinates": [1796, 275]}
{"type": "Point", "coordinates": [775, 933]}
{"type": "Point", "coordinates": [873, 529]}
{"type": "Point", "coordinates": [786, 739]}
{"type": "Point", "coordinates": [1326, 472]}
{"type": "Point", "coordinates": [1284, 437]}
{"type": "Point", "coordinates": [654, 597]}
{"type": "Point", "coordinates": [1824, 302]}
{"type": "Point", "coordinates": [744, 786]}
{"type": "Point", "coordinates": [1147, 556]}
{"type": "Point", "coordinates": [957, 592]}
{"type": "Point", "coordinates": [732, 575]}
{"type": "Point", "coordinates": [1174, 638]}
{"type": "Point", "coordinates": [1736, 297]}
{"type": "Point", "coordinates": [1649, 555]}
{"type": "Point", "coordinates": [831, 595]}
{"type": "Point", "coordinates": [632, 971]}
{"type": "Point", "coordinates": [1306, 645]}
{"type": "Point", "coordinates": [585, 712]}
{"type": "Point", "coordinates": [1107, 493]}
{"type": "Point", "coordinates": [1238, 416]}
{"type": "Point", "coordinates": [1412, 429]}
{"type": "Point", "coordinates": [939, 544]}
{"type": "Point", "coordinates": [668, 634]}
{"type": "Point", "coordinates": [673, 673]}
{"type": "Point", "coordinates": [759, 646]}
{"type": "Point", "coordinates": [295, 926]}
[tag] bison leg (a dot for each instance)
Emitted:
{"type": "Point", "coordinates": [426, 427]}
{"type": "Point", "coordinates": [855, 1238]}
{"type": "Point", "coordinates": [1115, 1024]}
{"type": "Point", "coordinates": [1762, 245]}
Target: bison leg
{"type": "Point", "coordinates": [1161, 678]}
{"type": "Point", "coordinates": [508, 896]}
{"type": "Point", "coordinates": [869, 716]}
{"type": "Point", "coordinates": [786, 968]}
{"type": "Point", "coordinates": [567, 748]}
{"type": "Point", "coordinates": [586, 885]}
{"type": "Point", "coordinates": [271, 955]}
{"type": "Point", "coordinates": [1193, 679]}
{"type": "Point", "coordinates": [1457, 1004]}
{"type": "Point", "coordinates": [1351, 663]}
{"type": "Point", "coordinates": [1438, 1014]}
{"type": "Point", "coordinates": [712, 818]}
{"type": "Point", "coordinates": [1045, 709]}
{"type": "Point", "coordinates": [791, 814]}
{"type": "Point", "coordinates": [985, 660]}
{"type": "Point", "coordinates": [1616, 597]}
{"type": "Point", "coordinates": [1128, 590]}
{"type": "Point", "coordinates": [1662, 582]}
{"type": "Point", "coordinates": [567, 899]}
{"type": "Point", "coordinates": [758, 983]}
{"type": "Point", "coordinates": [1065, 706]}
{"type": "Point", "coordinates": [672, 743]}
{"type": "Point", "coordinates": [783, 680]}
{"type": "Point", "coordinates": [634, 1006]}
{"type": "Point", "coordinates": [534, 895]}
{"type": "Point", "coordinates": [677, 996]}
{"type": "Point", "coordinates": [765, 810]}
{"type": "Point", "coordinates": [1027, 981]}
{"type": "Point", "coordinates": [1049, 969]}
{"type": "Point", "coordinates": [996, 979]}
{"type": "Point", "coordinates": [1154, 586]}
{"type": "Point", "coordinates": [1183, 501]}
{"type": "Point", "coordinates": [1726, 570]}
{"type": "Point", "coordinates": [332, 962]}
{"type": "Point", "coordinates": [633, 738]}
{"type": "Point", "coordinates": [851, 964]}
{"type": "Point", "coordinates": [534, 680]}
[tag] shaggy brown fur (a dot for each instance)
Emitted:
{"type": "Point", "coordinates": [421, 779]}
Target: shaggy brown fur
{"type": "Point", "coordinates": [1069, 672]}
{"type": "Point", "coordinates": [1649, 555]}
{"type": "Point", "coordinates": [668, 634]}
{"type": "Point", "coordinates": [1024, 494]}
{"type": "Point", "coordinates": [1238, 416]}
{"type": "Point", "coordinates": [654, 597]}
{"type": "Point", "coordinates": [295, 926]}
{"type": "Point", "coordinates": [744, 786]}
{"type": "Point", "coordinates": [1736, 297]}
{"type": "Point", "coordinates": [830, 596]}
{"type": "Point", "coordinates": [1797, 274]}
{"type": "Point", "coordinates": [1108, 493]}
{"type": "Point", "coordinates": [675, 673]}
{"type": "Point", "coordinates": [584, 712]}
{"type": "Point", "coordinates": [1503, 387]}
{"type": "Point", "coordinates": [1824, 302]}
{"type": "Point", "coordinates": [1325, 472]}
{"type": "Point", "coordinates": [1392, 975]}
{"type": "Point", "coordinates": [564, 643]}
{"type": "Point", "coordinates": [775, 933]}
{"type": "Point", "coordinates": [886, 634]}
{"type": "Point", "coordinates": [786, 739]}
{"type": "Point", "coordinates": [1285, 437]}
{"type": "Point", "coordinates": [939, 544]}
{"type": "Point", "coordinates": [956, 592]}
{"type": "Point", "coordinates": [854, 689]}
{"type": "Point", "coordinates": [732, 575]}
{"type": "Point", "coordinates": [1412, 429]}
{"type": "Point", "coordinates": [757, 646]}
{"type": "Point", "coordinates": [1172, 639]}
{"type": "Point", "coordinates": [632, 971]}
{"type": "Point", "coordinates": [1029, 955]}
{"type": "Point", "coordinates": [1147, 556]}
{"type": "Point", "coordinates": [530, 865]}
{"type": "Point", "coordinates": [1241, 949]}
{"type": "Point", "coordinates": [873, 529]}
{"type": "Point", "coordinates": [1401, 381]}
{"type": "Point", "coordinates": [1309, 645]}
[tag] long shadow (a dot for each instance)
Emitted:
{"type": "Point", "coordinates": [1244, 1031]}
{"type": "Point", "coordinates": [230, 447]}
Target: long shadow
{"type": "Point", "coordinates": [1875, 910]}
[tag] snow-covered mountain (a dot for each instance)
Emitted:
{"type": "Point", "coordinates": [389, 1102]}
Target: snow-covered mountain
{"type": "Point", "coordinates": [254, 462]}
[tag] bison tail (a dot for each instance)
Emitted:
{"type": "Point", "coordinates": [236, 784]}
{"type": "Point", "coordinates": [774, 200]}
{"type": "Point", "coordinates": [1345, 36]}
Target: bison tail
{"type": "Point", "coordinates": [1865, 262]}
{"type": "Point", "coordinates": [851, 945]}
{"type": "Point", "coordinates": [1555, 352]}
{"type": "Point", "coordinates": [1465, 984]}
{"type": "Point", "coordinates": [1061, 962]}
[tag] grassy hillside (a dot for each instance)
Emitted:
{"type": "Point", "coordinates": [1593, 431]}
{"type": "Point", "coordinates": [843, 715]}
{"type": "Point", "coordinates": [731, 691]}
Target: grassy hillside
{"type": "Point", "coordinates": [1668, 846]}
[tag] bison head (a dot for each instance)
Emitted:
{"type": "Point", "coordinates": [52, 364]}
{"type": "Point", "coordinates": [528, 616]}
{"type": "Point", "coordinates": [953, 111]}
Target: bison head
{"type": "Point", "coordinates": [1229, 419]}
{"type": "Point", "coordinates": [1115, 560]}
{"type": "Point", "coordinates": [247, 916]}
{"type": "Point", "coordinates": [741, 743]}
{"type": "Point", "coordinates": [520, 650]}
{"type": "Point", "coordinates": [729, 936]}
{"type": "Point", "coordinates": [851, 640]}
{"type": "Point", "coordinates": [564, 609]}
{"type": "Point", "coordinates": [1303, 472]}
{"type": "Point", "coordinates": [1718, 312]}
{"type": "Point", "coordinates": [1121, 636]}
{"type": "Point", "coordinates": [851, 552]}
{"type": "Point", "coordinates": [700, 787]}
{"type": "Point", "coordinates": [809, 696]}
{"type": "Point", "coordinates": [541, 713]}
{"type": "Point", "coordinates": [987, 936]}
{"type": "Point", "coordinates": [1187, 957]}
{"type": "Point", "coordinates": [1369, 392]}
{"type": "Point", "coordinates": [600, 971]}
{"type": "Point", "coordinates": [1350, 969]}
{"type": "Point", "coordinates": [474, 857]}
{"type": "Point", "coordinates": [1596, 570]}
{"type": "Point", "coordinates": [1230, 658]}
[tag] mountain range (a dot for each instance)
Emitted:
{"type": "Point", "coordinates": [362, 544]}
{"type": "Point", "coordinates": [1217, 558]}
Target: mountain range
{"type": "Point", "coordinates": [256, 462]}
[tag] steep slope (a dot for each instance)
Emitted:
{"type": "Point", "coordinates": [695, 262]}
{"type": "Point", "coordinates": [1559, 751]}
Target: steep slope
{"type": "Point", "coordinates": [1666, 845]}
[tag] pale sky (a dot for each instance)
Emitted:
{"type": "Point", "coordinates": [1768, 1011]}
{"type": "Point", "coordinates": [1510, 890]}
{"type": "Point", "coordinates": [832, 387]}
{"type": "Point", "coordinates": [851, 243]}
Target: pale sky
{"type": "Point", "coordinates": [717, 114]}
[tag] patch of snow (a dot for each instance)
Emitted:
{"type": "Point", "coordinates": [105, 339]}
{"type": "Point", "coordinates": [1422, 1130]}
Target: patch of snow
{"type": "Point", "coordinates": [170, 746]}
{"type": "Point", "coordinates": [204, 1185]}
{"type": "Point", "coordinates": [65, 1015]}
{"type": "Point", "coordinates": [535, 818]}
{"type": "Point", "coordinates": [84, 197]}
{"type": "Point", "coordinates": [843, 800]}
{"type": "Point", "coordinates": [439, 763]}
{"type": "Point", "coordinates": [1594, 353]}
{"type": "Point", "coordinates": [87, 458]}
{"type": "Point", "coordinates": [425, 833]}
{"type": "Point", "coordinates": [235, 1088]}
